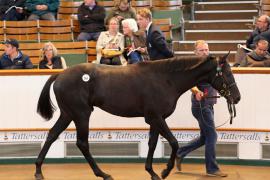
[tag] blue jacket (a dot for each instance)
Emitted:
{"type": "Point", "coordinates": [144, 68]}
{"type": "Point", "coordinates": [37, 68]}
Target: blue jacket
{"type": "Point", "coordinates": [20, 62]}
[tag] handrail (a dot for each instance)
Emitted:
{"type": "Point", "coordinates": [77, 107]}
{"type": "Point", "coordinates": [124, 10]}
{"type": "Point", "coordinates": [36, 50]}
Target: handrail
{"type": "Point", "coordinates": [21, 72]}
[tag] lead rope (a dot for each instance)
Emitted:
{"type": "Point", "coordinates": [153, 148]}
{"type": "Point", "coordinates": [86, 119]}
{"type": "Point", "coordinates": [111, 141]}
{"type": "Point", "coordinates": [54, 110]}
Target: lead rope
{"type": "Point", "coordinates": [231, 109]}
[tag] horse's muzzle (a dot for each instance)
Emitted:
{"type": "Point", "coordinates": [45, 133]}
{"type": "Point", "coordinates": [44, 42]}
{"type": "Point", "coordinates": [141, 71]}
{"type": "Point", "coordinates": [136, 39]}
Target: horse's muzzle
{"type": "Point", "coordinates": [237, 99]}
{"type": "Point", "coordinates": [233, 100]}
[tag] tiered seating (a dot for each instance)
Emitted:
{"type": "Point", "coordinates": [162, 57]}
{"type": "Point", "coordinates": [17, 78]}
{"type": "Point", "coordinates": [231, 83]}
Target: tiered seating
{"type": "Point", "coordinates": [168, 9]}
{"type": "Point", "coordinates": [2, 31]}
{"type": "Point", "coordinates": [21, 30]}
{"type": "Point", "coordinates": [165, 26]}
{"type": "Point", "coordinates": [223, 24]}
{"type": "Point", "coordinates": [67, 9]}
{"type": "Point", "coordinates": [106, 4]}
{"type": "Point", "coordinates": [36, 31]}
{"type": "Point", "coordinates": [63, 32]}
{"type": "Point", "coordinates": [265, 7]}
{"type": "Point", "coordinates": [60, 30]}
{"type": "Point", "coordinates": [141, 4]}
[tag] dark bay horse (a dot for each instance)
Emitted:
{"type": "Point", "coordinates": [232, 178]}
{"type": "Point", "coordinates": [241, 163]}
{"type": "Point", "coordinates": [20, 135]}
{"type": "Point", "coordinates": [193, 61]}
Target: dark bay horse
{"type": "Point", "coordinates": [147, 89]}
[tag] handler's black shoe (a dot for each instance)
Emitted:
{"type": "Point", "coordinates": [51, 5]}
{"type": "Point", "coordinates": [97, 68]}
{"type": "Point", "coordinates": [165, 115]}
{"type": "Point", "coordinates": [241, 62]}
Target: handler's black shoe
{"type": "Point", "coordinates": [218, 173]}
{"type": "Point", "coordinates": [178, 162]}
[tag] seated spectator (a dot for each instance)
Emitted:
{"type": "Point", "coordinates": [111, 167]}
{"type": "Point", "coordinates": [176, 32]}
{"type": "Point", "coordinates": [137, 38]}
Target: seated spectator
{"type": "Point", "coordinates": [91, 18]}
{"type": "Point", "coordinates": [135, 43]}
{"type": "Point", "coordinates": [262, 31]}
{"type": "Point", "coordinates": [11, 10]}
{"type": "Point", "coordinates": [50, 59]}
{"type": "Point", "coordinates": [42, 9]}
{"type": "Point", "coordinates": [13, 58]}
{"type": "Point", "coordinates": [121, 10]}
{"type": "Point", "coordinates": [111, 40]}
{"type": "Point", "coordinates": [259, 57]}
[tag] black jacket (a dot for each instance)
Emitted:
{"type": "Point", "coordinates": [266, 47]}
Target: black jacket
{"type": "Point", "coordinates": [56, 63]}
{"type": "Point", "coordinates": [91, 20]}
{"type": "Point", "coordinates": [157, 46]}
{"type": "Point", "coordinates": [255, 36]}
{"type": "Point", "coordinates": [5, 4]}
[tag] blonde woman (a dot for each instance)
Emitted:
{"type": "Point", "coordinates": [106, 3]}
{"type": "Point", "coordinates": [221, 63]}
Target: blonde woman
{"type": "Point", "coordinates": [50, 59]}
{"type": "Point", "coordinates": [111, 39]}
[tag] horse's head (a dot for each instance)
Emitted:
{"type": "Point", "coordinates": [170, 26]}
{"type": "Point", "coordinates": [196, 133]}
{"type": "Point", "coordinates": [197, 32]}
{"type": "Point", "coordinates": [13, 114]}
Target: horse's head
{"type": "Point", "coordinates": [224, 81]}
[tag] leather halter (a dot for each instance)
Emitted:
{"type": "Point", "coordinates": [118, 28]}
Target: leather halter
{"type": "Point", "coordinates": [226, 92]}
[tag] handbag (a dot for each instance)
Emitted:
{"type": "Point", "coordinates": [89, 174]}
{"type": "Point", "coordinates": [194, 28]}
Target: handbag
{"type": "Point", "coordinates": [110, 53]}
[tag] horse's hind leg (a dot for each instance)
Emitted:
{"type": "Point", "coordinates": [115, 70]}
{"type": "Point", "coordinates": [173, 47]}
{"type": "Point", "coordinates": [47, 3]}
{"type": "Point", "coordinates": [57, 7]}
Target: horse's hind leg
{"type": "Point", "coordinates": [61, 124]}
{"type": "Point", "coordinates": [152, 143]}
{"type": "Point", "coordinates": [82, 126]}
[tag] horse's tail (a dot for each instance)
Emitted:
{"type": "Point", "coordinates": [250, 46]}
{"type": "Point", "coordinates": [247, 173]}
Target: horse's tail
{"type": "Point", "coordinates": [45, 106]}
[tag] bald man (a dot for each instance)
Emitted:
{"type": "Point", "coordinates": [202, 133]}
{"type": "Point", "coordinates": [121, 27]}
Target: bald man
{"type": "Point", "coordinates": [261, 31]}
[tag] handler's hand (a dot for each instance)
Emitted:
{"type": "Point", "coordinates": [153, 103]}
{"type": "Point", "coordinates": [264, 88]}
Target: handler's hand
{"type": "Point", "coordinates": [199, 95]}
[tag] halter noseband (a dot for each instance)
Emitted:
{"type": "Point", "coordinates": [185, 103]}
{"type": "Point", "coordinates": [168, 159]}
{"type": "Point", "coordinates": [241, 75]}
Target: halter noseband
{"type": "Point", "coordinates": [225, 91]}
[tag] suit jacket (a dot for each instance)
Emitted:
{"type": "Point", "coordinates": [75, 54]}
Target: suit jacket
{"type": "Point", "coordinates": [157, 46]}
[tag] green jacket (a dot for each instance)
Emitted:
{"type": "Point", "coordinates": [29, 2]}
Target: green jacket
{"type": "Point", "coordinates": [130, 13]}
{"type": "Point", "coordinates": [52, 6]}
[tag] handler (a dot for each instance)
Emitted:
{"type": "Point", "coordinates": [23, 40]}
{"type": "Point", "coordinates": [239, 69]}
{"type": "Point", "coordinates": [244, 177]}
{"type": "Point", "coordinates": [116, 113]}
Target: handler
{"type": "Point", "coordinates": [203, 111]}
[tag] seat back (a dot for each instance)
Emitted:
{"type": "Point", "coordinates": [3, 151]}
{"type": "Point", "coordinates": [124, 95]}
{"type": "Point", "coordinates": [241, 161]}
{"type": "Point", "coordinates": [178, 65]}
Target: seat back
{"type": "Point", "coordinates": [165, 26]}
{"type": "Point", "coordinates": [21, 30]}
{"type": "Point", "coordinates": [2, 35]}
{"type": "Point", "coordinates": [67, 9]}
{"type": "Point", "coordinates": [168, 9]}
{"type": "Point", "coordinates": [107, 4]}
{"type": "Point", "coordinates": [140, 4]}
{"type": "Point", "coordinates": [60, 30]}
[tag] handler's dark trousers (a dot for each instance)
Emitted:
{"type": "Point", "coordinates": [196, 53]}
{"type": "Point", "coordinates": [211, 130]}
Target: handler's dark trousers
{"type": "Point", "coordinates": [208, 137]}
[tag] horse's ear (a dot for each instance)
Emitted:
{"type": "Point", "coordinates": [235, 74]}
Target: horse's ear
{"type": "Point", "coordinates": [224, 58]}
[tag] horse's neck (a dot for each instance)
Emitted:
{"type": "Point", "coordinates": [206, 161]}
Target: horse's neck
{"type": "Point", "coordinates": [194, 76]}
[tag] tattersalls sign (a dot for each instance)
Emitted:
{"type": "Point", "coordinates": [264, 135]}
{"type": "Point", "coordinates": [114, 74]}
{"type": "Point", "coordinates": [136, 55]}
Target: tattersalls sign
{"type": "Point", "coordinates": [133, 135]}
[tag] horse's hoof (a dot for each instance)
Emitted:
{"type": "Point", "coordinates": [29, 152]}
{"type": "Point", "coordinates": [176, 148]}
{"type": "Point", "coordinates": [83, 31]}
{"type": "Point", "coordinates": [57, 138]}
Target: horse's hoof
{"type": "Point", "coordinates": [155, 178]}
{"type": "Point", "coordinates": [165, 173]}
{"type": "Point", "coordinates": [109, 177]}
{"type": "Point", "coordinates": [39, 176]}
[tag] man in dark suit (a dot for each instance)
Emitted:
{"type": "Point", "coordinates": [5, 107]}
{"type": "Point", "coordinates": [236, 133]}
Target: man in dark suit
{"type": "Point", "coordinates": [157, 46]}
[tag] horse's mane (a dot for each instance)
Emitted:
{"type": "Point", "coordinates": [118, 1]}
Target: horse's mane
{"type": "Point", "coordinates": [178, 63]}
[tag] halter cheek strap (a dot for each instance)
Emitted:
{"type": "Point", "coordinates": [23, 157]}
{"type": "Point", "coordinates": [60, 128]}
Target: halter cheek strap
{"type": "Point", "coordinates": [226, 92]}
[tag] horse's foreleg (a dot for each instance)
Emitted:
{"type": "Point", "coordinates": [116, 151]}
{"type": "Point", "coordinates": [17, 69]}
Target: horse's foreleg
{"type": "Point", "coordinates": [61, 124]}
{"type": "Point", "coordinates": [152, 143]}
{"type": "Point", "coordinates": [167, 134]}
{"type": "Point", "coordinates": [82, 127]}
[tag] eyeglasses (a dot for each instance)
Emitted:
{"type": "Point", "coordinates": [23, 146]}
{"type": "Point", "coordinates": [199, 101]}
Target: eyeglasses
{"type": "Point", "coordinates": [48, 49]}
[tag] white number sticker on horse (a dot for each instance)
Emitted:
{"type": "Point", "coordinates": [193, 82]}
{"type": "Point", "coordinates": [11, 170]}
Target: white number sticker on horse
{"type": "Point", "coordinates": [85, 77]}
